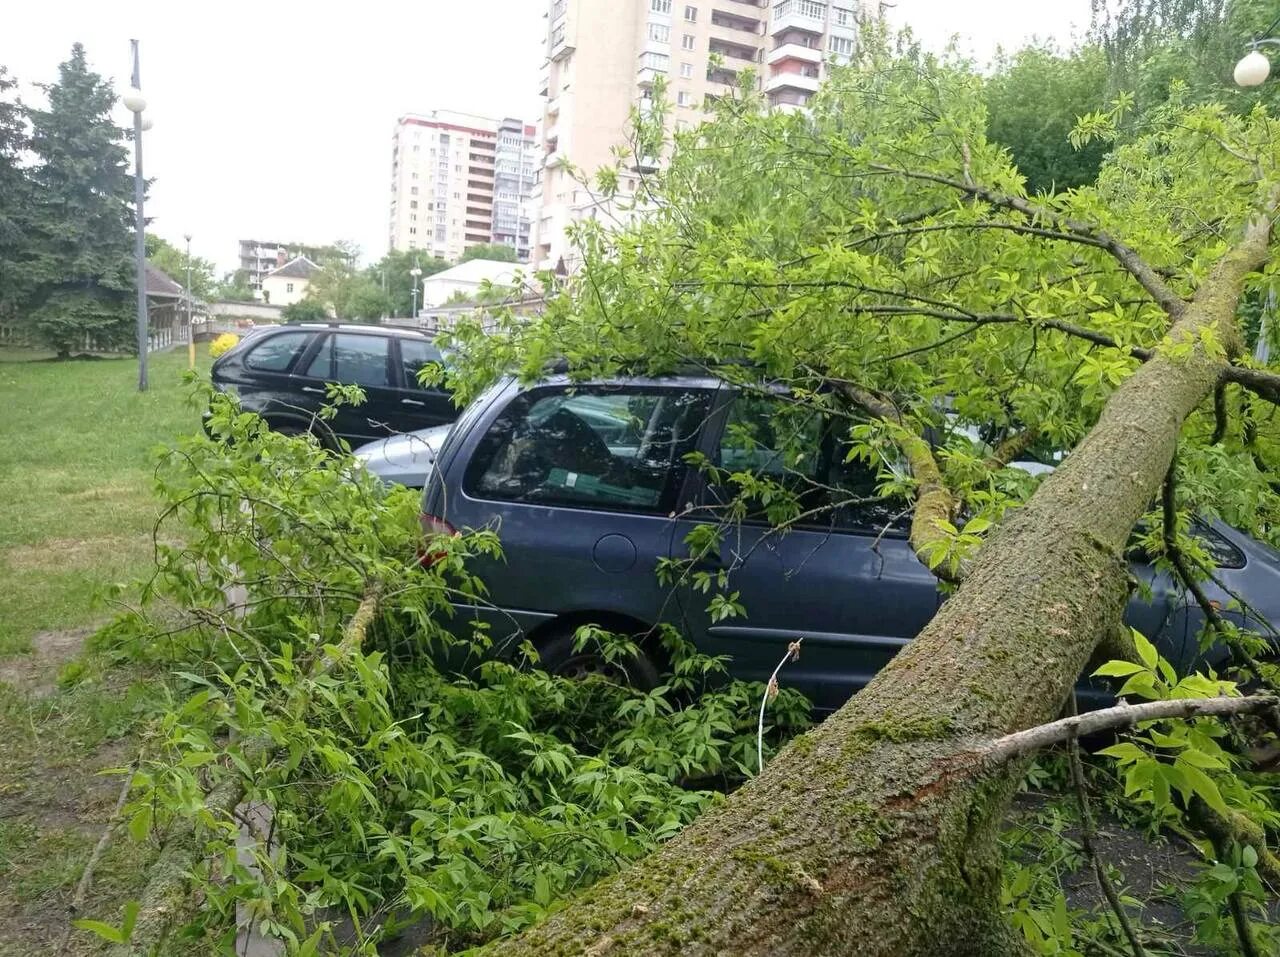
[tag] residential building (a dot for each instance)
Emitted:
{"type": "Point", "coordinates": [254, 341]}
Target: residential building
{"type": "Point", "coordinates": [603, 59]}
{"type": "Point", "coordinates": [444, 176]}
{"type": "Point", "coordinates": [467, 279]}
{"type": "Point", "coordinates": [288, 284]}
{"type": "Point", "coordinates": [515, 167]}
{"type": "Point", "coordinates": [258, 257]}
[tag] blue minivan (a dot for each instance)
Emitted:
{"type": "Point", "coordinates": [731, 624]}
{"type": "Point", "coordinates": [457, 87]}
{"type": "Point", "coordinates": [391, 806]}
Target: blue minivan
{"type": "Point", "coordinates": [588, 487]}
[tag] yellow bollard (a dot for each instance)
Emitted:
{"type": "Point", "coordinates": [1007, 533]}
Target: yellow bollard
{"type": "Point", "coordinates": [191, 351]}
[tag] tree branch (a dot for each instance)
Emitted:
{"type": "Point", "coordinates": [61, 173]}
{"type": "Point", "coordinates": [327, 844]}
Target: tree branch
{"type": "Point", "coordinates": [1087, 832]}
{"type": "Point", "coordinates": [1169, 533]}
{"type": "Point", "coordinates": [934, 502]}
{"type": "Point", "coordinates": [1121, 716]}
{"type": "Point", "coordinates": [1082, 232]}
{"type": "Point", "coordinates": [1008, 450]}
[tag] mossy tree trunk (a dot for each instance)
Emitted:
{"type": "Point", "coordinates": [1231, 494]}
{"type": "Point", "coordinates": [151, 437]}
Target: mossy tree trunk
{"type": "Point", "coordinates": [875, 834]}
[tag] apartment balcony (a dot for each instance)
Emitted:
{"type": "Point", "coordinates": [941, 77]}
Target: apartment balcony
{"type": "Point", "coordinates": [736, 55]}
{"type": "Point", "coordinates": [560, 44]}
{"type": "Point", "coordinates": [743, 26]}
{"type": "Point", "coordinates": [807, 15]}
{"type": "Point", "coordinates": [794, 51]}
{"type": "Point", "coordinates": [651, 66]}
{"type": "Point", "coordinates": [544, 84]}
{"type": "Point", "coordinates": [792, 81]}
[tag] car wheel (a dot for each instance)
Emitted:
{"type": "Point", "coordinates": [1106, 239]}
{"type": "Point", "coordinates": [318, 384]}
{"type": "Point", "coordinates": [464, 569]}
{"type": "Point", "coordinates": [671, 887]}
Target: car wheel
{"type": "Point", "coordinates": [557, 656]}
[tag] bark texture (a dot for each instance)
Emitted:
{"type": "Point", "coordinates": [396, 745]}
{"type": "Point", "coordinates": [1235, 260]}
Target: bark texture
{"type": "Point", "coordinates": [874, 834]}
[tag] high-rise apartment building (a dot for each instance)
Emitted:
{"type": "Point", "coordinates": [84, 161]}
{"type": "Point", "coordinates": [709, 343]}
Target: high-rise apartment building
{"type": "Point", "coordinates": [603, 59]}
{"type": "Point", "coordinates": [445, 173]}
{"type": "Point", "coordinates": [515, 167]}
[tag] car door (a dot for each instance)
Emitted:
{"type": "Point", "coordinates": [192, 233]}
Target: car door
{"type": "Point", "coordinates": [418, 407]}
{"type": "Point", "coordinates": [261, 376]}
{"type": "Point", "coordinates": [355, 358]}
{"type": "Point", "coordinates": [841, 576]}
{"type": "Point", "coordinates": [579, 482]}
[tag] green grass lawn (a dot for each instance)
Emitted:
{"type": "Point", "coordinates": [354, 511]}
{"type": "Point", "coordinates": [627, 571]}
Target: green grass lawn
{"type": "Point", "coordinates": [76, 508]}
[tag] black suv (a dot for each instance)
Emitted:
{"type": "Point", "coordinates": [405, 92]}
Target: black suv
{"type": "Point", "coordinates": [281, 374]}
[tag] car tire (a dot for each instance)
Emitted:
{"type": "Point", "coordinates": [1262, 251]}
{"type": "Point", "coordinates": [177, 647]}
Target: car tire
{"type": "Point", "coordinates": [557, 656]}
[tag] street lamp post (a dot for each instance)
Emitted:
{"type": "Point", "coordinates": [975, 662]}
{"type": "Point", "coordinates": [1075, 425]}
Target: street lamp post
{"type": "Point", "coordinates": [191, 330]}
{"type": "Point", "coordinates": [136, 103]}
{"type": "Point", "coordinates": [415, 272]}
{"type": "Point", "coordinates": [1254, 67]}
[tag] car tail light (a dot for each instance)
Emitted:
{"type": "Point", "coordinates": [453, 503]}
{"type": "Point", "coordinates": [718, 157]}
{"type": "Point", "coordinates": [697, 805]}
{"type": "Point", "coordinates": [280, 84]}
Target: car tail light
{"type": "Point", "coordinates": [431, 525]}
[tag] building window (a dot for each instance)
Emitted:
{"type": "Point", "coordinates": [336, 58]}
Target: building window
{"type": "Point", "coordinates": [688, 42]}
{"type": "Point", "coordinates": [288, 287]}
{"type": "Point", "coordinates": [655, 61]}
{"type": "Point", "coordinates": [686, 70]}
{"type": "Point", "coordinates": [440, 234]}
{"type": "Point", "coordinates": [842, 17]}
{"type": "Point", "coordinates": [841, 46]}
{"type": "Point", "coordinates": [413, 191]}
{"type": "Point", "coordinates": [684, 98]}
{"type": "Point", "coordinates": [413, 204]}
{"type": "Point", "coordinates": [659, 32]}
{"type": "Point", "coordinates": [660, 6]}
{"type": "Point", "coordinates": [413, 230]}
{"type": "Point", "coordinates": [691, 14]}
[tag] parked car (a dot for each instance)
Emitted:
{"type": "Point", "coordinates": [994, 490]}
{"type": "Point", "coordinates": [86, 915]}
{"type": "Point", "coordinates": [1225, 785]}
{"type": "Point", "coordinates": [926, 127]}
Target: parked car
{"type": "Point", "coordinates": [588, 487]}
{"type": "Point", "coordinates": [282, 372]}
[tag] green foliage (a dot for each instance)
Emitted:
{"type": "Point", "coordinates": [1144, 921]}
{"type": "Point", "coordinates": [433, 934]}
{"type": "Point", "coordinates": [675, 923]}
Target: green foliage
{"type": "Point", "coordinates": [428, 772]}
{"type": "Point", "coordinates": [391, 273]}
{"type": "Point", "coordinates": [234, 286]}
{"type": "Point", "coordinates": [172, 261]}
{"type": "Point", "coordinates": [350, 293]}
{"type": "Point", "coordinates": [304, 310]}
{"type": "Point", "coordinates": [499, 252]}
{"type": "Point", "coordinates": [78, 259]}
{"type": "Point", "coordinates": [1033, 101]}
{"type": "Point", "coordinates": [14, 199]}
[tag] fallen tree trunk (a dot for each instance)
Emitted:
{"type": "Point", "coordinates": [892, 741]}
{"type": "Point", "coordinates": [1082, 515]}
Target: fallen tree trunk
{"type": "Point", "coordinates": [875, 833]}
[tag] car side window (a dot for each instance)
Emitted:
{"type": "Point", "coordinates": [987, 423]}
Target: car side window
{"type": "Point", "coordinates": [361, 360]}
{"type": "Point", "coordinates": [276, 353]}
{"type": "Point", "coordinates": [617, 448]}
{"type": "Point", "coordinates": [321, 365]}
{"type": "Point", "coordinates": [798, 450]}
{"type": "Point", "coordinates": [414, 355]}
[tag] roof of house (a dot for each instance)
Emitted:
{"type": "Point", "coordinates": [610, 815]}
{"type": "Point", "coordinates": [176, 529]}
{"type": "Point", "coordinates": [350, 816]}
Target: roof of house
{"type": "Point", "coordinates": [478, 270]}
{"type": "Point", "coordinates": [160, 286]}
{"type": "Point", "coordinates": [299, 267]}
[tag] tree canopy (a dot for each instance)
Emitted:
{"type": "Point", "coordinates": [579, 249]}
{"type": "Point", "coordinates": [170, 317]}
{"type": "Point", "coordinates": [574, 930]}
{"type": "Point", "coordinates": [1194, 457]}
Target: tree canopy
{"type": "Point", "coordinates": [500, 252]}
{"type": "Point", "coordinates": [392, 273]}
{"type": "Point", "coordinates": [172, 261]}
{"type": "Point", "coordinates": [81, 194]}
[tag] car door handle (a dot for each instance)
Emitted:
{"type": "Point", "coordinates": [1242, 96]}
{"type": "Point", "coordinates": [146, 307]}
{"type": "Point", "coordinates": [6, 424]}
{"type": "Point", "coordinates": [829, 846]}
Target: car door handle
{"type": "Point", "coordinates": [411, 402]}
{"type": "Point", "coordinates": [307, 388]}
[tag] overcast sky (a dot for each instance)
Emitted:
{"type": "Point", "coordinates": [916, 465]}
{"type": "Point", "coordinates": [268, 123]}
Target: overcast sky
{"type": "Point", "coordinates": [273, 121]}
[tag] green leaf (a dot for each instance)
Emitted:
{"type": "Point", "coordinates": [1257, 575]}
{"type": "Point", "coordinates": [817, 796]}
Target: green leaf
{"type": "Point", "coordinates": [1146, 650]}
{"type": "Point", "coordinates": [1119, 669]}
{"type": "Point", "coordinates": [1203, 786]}
{"type": "Point", "coordinates": [105, 931]}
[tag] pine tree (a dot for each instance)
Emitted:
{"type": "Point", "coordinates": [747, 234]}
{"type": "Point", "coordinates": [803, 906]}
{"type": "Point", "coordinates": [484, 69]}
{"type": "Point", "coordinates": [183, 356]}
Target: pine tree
{"type": "Point", "coordinates": [82, 216]}
{"type": "Point", "coordinates": [14, 200]}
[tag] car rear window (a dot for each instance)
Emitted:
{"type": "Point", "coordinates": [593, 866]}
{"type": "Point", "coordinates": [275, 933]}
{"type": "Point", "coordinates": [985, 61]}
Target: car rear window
{"type": "Point", "coordinates": [276, 353]}
{"type": "Point", "coordinates": [615, 448]}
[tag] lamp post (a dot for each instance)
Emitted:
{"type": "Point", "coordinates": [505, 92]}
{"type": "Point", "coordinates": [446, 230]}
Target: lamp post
{"type": "Point", "coordinates": [1254, 67]}
{"type": "Point", "coordinates": [415, 272]}
{"type": "Point", "coordinates": [135, 103]}
{"type": "Point", "coordinates": [191, 330]}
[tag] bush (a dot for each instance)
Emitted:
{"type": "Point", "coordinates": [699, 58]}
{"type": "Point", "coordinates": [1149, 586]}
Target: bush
{"type": "Point", "coordinates": [224, 343]}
